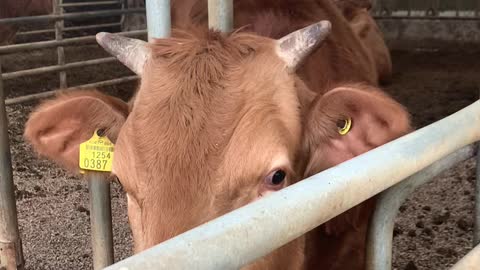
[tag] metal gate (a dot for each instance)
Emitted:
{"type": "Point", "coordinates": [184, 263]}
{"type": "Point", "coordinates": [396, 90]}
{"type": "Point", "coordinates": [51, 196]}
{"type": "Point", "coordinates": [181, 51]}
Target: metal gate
{"type": "Point", "coordinates": [243, 235]}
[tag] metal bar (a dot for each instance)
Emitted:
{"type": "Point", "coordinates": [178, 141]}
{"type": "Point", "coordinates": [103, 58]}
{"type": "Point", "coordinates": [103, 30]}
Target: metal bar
{"type": "Point", "coordinates": [433, 18]}
{"type": "Point", "coordinates": [100, 220]}
{"type": "Point", "coordinates": [70, 41]}
{"type": "Point", "coordinates": [470, 261]}
{"type": "Point", "coordinates": [76, 28]}
{"type": "Point", "coordinates": [380, 235]}
{"type": "Point", "coordinates": [476, 214]}
{"type": "Point", "coordinates": [11, 255]}
{"type": "Point", "coordinates": [58, 10]}
{"type": "Point", "coordinates": [66, 29]}
{"type": "Point", "coordinates": [158, 18]}
{"type": "Point", "coordinates": [82, 4]}
{"type": "Point", "coordinates": [47, 94]}
{"type": "Point", "coordinates": [220, 15]}
{"type": "Point", "coordinates": [48, 69]}
{"type": "Point", "coordinates": [70, 16]}
{"type": "Point", "coordinates": [245, 234]}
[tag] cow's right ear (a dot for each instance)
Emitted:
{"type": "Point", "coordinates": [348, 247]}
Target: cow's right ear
{"type": "Point", "coordinates": [58, 126]}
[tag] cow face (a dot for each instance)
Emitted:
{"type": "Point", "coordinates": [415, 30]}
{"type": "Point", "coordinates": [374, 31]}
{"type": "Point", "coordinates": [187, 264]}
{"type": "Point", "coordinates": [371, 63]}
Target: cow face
{"type": "Point", "coordinates": [218, 121]}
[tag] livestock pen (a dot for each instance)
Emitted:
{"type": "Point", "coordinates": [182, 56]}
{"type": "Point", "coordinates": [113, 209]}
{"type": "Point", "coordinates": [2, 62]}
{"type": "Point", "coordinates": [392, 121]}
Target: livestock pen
{"type": "Point", "coordinates": [434, 228]}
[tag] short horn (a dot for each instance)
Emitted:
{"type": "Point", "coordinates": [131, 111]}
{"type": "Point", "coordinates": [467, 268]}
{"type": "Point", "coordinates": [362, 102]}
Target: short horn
{"type": "Point", "coordinates": [133, 53]}
{"type": "Point", "coordinates": [295, 47]}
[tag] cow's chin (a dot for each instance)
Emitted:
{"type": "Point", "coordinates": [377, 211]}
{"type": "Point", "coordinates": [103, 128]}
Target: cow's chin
{"type": "Point", "coordinates": [288, 257]}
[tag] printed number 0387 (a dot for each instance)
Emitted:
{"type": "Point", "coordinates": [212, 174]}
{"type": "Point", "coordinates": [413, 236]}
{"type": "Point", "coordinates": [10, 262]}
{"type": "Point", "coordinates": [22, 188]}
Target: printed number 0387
{"type": "Point", "coordinates": [95, 164]}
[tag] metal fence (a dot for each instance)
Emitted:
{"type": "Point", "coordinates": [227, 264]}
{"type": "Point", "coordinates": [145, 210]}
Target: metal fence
{"type": "Point", "coordinates": [243, 235]}
{"type": "Point", "coordinates": [427, 9]}
{"type": "Point", "coordinates": [102, 238]}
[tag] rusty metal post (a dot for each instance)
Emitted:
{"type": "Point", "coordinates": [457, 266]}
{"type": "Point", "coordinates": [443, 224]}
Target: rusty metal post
{"type": "Point", "coordinates": [58, 10]}
{"type": "Point", "coordinates": [11, 255]}
{"type": "Point", "coordinates": [220, 15]}
{"type": "Point", "coordinates": [100, 220]}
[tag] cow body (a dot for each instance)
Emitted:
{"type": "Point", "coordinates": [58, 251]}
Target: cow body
{"type": "Point", "coordinates": [365, 27]}
{"type": "Point", "coordinates": [220, 121]}
{"type": "Point", "coordinates": [20, 8]}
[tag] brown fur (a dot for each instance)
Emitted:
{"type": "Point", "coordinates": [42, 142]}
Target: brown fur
{"type": "Point", "coordinates": [367, 30]}
{"type": "Point", "coordinates": [215, 114]}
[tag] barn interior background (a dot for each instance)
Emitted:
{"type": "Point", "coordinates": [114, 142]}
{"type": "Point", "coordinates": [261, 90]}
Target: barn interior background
{"type": "Point", "coordinates": [436, 72]}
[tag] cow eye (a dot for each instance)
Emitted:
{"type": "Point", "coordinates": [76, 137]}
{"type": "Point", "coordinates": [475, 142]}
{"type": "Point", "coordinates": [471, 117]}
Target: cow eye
{"type": "Point", "coordinates": [276, 178]}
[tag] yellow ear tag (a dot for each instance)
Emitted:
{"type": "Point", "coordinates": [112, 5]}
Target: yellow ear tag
{"type": "Point", "coordinates": [344, 126]}
{"type": "Point", "coordinates": [96, 154]}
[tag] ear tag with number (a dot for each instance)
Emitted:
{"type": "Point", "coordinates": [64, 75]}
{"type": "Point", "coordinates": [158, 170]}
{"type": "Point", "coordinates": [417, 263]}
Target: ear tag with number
{"type": "Point", "coordinates": [96, 154]}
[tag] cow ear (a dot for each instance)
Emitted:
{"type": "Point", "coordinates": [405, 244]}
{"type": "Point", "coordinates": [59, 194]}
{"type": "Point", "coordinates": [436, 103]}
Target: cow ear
{"type": "Point", "coordinates": [58, 126]}
{"type": "Point", "coordinates": [344, 123]}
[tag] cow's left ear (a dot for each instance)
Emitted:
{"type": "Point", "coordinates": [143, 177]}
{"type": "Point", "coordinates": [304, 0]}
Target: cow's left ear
{"type": "Point", "coordinates": [346, 122]}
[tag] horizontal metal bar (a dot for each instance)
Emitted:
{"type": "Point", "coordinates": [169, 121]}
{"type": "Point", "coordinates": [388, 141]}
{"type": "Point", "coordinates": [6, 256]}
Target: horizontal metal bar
{"type": "Point", "coordinates": [432, 18]}
{"type": "Point", "coordinates": [27, 98]}
{"type": "Point", "coordinates": [380, 236]}
{"type": "Point", "coordinates": [71, 16]}
{"type": "Point", "coordinates": [53, 43]}
{"type": "Point", "coordinates": [244, 235]}
{"type": "Point", "coordinates": [66, 29]}
{"type": "Point", "coordinates": [48, 69]}
{"type": "Point", "coordinates": [470, 261]}
{"type": "Point", "coordinates": [76, 28]}
{"type": "Point", "coordinates": [82, 4]}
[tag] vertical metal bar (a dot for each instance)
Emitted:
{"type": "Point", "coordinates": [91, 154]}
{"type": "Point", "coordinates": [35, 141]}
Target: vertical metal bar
{"type": "Point", "coordinates": [457, 8]}
{"type": "Point", "coordinates": [100, 220]}
{"type": "Point", "coordinates": [476, 213]}
{"type": "Point", "coordinates": [220, 15]}
{"type": "Point", "coordinates": [11, 255]}
{"type": "Point", "coordinates": [380, 232]}
{"type": "Point", "coordinates": [158, 18]}
{"type": "Point", "coordinates": [58, 10]}
{"type": "Point", "coordinates": [409, 7]}
{"type": "Point", "coordinates": [477, 8]}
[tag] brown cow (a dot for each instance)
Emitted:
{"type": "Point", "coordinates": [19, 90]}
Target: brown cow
{"type": "Point", "coordinates": [221, 120]}
{"type": "Point", "coordinates": [20, 8]}
{"type": "Point", "coordinates": [370, 34]}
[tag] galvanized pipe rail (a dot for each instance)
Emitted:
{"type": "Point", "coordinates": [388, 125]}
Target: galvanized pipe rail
{"type": "Point", "coordinates": [53, 43]}
{"type": "Point", "coordinates": [100, 220]}
{"type": "Point", "coordinates": [97, 3]}
{"type": "Point", "coordinates": [46, 94]}
{"type": "Point", "coordinates": [71, 16]}
{"type": "Point", "coordinates": [245, 234]}
{"type": "Point", "coordinates": [69, 29]}
{"type": "Point", "coordinates": [380, 236]}
{"type": "Point", "coordinates": [60, 67]}
{"type": "Point", "coordinates": [11, 255]}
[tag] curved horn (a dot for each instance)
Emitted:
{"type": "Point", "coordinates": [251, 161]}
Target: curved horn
{"type": "Point", "coordinates": [133, 53]}
{"type": "Point", "coordinates": [295, 47]}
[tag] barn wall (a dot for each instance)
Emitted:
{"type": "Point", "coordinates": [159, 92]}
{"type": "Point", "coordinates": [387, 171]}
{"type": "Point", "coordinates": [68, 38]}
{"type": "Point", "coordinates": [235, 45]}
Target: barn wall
{"type": "Point", "coordinates": [443, 34]}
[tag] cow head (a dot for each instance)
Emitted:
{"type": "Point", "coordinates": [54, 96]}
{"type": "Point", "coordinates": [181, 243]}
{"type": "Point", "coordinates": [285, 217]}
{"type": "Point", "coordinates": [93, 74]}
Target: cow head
{"type": "Point", "coordinates": [218, 121]}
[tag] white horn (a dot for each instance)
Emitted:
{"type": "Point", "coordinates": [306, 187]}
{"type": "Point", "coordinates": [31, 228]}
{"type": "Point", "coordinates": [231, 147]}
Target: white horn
{"type": "Point", "coordinates": [295, 47]}
{"type": "Point", "coordinates": [133, 53]}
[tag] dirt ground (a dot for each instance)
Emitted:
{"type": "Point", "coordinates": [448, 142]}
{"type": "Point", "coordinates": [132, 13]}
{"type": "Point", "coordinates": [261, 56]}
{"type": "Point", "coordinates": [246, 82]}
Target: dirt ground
{"type": "Point", "coordinates": [433, 230]}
